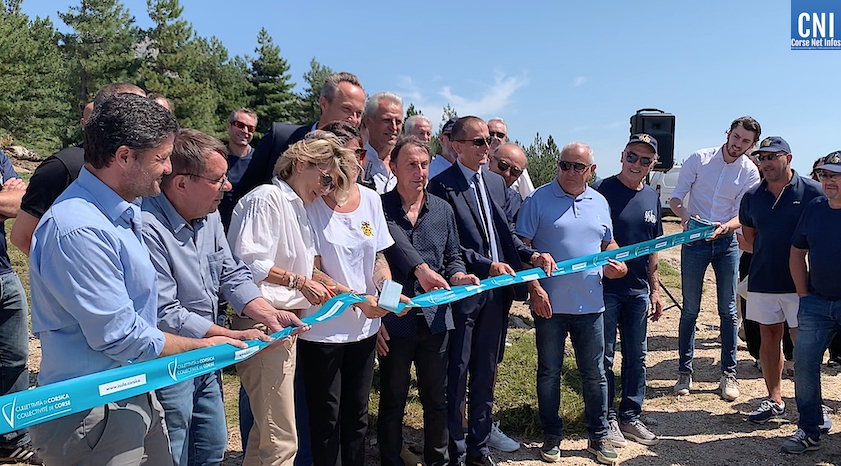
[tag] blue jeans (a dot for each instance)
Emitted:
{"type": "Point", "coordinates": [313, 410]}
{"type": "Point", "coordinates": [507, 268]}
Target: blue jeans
{"type": "Point", "coordinates": [628, 313]}
{"type": "Point", "coordinates": [818, 321]}
{"type": "Point", "coordinates": [14, 348]}
{"type": "Point", "coordinates": [723, 254]}
{"type": "Point", "coordinates": [195, 420]}
{"type": "Point", "coordinates": [587, 334]}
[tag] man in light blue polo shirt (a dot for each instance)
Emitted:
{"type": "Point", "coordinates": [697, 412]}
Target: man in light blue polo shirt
{"type": "Point", "coordinates": [568, 219]}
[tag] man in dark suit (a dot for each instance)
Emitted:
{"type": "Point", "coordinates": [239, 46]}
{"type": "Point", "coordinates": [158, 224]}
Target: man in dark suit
{"type": "Point", "coordinates": [490, 248]}
{"type": "Point", "coordinates": [342, 99]}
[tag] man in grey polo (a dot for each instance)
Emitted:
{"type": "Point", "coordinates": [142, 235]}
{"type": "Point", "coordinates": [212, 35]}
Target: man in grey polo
{"type": "Point", "coordinates": [183, 232]}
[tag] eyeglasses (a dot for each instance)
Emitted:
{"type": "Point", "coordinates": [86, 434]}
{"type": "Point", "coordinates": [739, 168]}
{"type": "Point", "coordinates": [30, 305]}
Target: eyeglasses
{"type": "Point", "coordinates": [326, 179]}
{"type": "Point", "coordinates": [503, 165]}
{"type": "Point", "coordinates": [577, 166]}
{"type": "Point", "coordinates": [631, 157]}
{"type": "Point", "coordinates": [824, 175]}
{"type": "Point", "coordinates": [220, 181]}
{"type": "Point", "coordinates": [478, 142]}
{"type": "Point", "coordinates": [242, 125]}
{"type": "Point", "coordinates": [769, 157]}
{"type": "Point", "coordinates": [497, 134]}
{"type": "Point", "coordinates": [361, 152]}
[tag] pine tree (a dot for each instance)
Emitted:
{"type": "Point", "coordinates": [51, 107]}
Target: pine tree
{"type": "Point", "coordinates": [411, 111]}
{"type": "Point", "coordinates": [272, 96]}
{"type": "Point", "coordinates": [314, 79]}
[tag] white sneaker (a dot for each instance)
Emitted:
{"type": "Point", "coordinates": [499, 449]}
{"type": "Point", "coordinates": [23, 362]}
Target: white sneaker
{"type": "Point", "coordinates": [729, 387]}
{"type": "Point", "coordinates": [826, 425]}
{"type": "Point", "coordinates": [614, 435]}
{"type": "Point", "coordinates": [500, 441]}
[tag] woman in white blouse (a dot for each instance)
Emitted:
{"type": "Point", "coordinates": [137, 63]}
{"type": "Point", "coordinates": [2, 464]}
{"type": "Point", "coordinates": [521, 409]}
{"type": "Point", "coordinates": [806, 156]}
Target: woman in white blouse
{"type": "Point", "coordinates": [271, 232]}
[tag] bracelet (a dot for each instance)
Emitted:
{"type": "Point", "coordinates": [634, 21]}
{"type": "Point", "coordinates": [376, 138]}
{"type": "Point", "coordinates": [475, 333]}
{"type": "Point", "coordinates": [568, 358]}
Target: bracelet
{"type": "Point", "coordinates": [302, 282]}
{"type": "Point", "coordinates": [290, 281]}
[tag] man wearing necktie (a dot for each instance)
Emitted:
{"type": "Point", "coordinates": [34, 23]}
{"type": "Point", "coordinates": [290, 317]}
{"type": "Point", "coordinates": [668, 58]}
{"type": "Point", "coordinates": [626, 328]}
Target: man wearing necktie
{"type": "Point", "coordinates": [490, 248]}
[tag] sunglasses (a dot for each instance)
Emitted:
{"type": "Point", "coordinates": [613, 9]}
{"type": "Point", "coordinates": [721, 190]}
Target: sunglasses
{"type": "Point", "coordinates": [503, 165]}
{"type": "Point", "coordinates": [769, 157]}
{"type": "Point", "coordinates": [326, 179]}
{"type": "Point", "coordinates": [242, 125]}
{"type": "Point", "coordinates": [824, 175]}
{"type": "Point", "coordinates": [497, 134]}
{"type": "Point", "coordinates": [631, 157]}
{"type": "Point", "coordinates": [220, 181]}
{"type": "Point", "coordinates": [361, 152]}
{"type": "Point", "coordinates": [478, 142]}
{"type": "Point", "coordinates": [577, 166]}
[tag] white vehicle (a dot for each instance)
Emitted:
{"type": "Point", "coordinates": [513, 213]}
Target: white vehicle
{"type": "Point", "coordinates": [664, 183]}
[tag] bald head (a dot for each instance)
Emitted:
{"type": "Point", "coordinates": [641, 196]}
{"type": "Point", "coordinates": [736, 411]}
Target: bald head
{"type": "Point", "coordinates": [509, 161]}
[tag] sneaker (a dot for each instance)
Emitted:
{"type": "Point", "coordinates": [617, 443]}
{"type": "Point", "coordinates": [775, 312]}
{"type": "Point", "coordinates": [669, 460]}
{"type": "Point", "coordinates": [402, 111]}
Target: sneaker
{"type": "Point", "coordinates": [24, 454]}
{"type": "Point", "coordinates": [500, 441]}
{"type": "Point", "coordinates": [550, 451]}
{"type": "Point", "coordinates": [684, 382]}
{"type": "Point", "coordinates": [603, 451]}
{"type": "Point", "coordinates": [768, 409]}
{"type": "Point", "coordinates": [409, 458]}
{"type": "Point", "coordinates": [614, 435]}
{"type": "Point", "coordinates": [638, 432]}
{"type": "Point", "coordinates": [826, 425]}
{"type": "Point", "coordinates": [729, 387]}
{"type": "Point", "coordinates": [758, 365]}
{"type": "Point", "coordinates": [800, 442]}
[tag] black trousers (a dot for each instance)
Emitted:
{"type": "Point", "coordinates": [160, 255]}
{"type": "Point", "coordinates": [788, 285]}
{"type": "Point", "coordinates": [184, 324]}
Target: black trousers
{"type": "Point", "coordinates": [429, 353]}
{"type": "Point", "coordinates": [337, 380]}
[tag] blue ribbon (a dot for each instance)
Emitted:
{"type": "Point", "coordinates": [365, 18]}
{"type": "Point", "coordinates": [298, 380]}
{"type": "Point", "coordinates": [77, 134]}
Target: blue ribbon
{"type": "Point", "coordinates": [41, 404]}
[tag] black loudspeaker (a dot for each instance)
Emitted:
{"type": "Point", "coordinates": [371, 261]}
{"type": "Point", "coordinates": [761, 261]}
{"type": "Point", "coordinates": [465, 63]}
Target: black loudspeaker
{"type": "Point", "coordinates": [661, 125]}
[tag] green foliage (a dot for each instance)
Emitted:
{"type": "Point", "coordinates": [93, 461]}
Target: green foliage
{"type": "Point", "coordinates": [449, 112]}
{"type": "Point", "coordinates": [272, 96]}
{"type": "Point", "coordinates": [411, 111]}
{"type": "Point", "coordinates": [314, 79]}
{"type": "Point", "coordinates": [34, 106]}
{"type": "Point", "coordinates": [542, 157]}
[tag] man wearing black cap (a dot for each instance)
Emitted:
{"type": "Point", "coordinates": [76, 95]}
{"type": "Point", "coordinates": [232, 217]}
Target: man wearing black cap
{"type": "Point", "coordinates": [635, 213]}
{"type": "Point", "coordinates": [819, 290]}
{"type": "Point", "coordinates": [768, 214]}
{"type": "Point", "coordinates": [447, 157]}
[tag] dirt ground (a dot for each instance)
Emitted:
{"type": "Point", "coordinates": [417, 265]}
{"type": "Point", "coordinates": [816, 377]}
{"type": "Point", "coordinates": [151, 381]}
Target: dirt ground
{"type": "Point", "coordinates": [698, 429]}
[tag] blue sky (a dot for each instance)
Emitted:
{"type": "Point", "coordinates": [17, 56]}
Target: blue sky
{"type": "Point", "coordinates": [575, 70]}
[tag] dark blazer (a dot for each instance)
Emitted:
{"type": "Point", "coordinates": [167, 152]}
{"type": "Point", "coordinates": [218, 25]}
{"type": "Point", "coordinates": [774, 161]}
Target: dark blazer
{"type": "Point", "coordinates": [451, 186]}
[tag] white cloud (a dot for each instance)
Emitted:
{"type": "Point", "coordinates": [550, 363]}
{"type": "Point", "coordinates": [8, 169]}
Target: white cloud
{"type": "Point", "coordinates": [579, 80]}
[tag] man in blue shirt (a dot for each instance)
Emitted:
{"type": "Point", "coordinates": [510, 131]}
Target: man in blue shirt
{"type": "Point", "coordinates": [187, 244]}
{"type": "Point", "coordinates": [421, 336]}
{"type": "Point", "coordinates": [635, 213]}
{"type": "Point", "coordinates": [768, 214]}
{"type": "Point", "coordinates": [569, 219]}
{"type": "Point", "coordinates": [94, 289]}
{"type": "Point", "coordinates": [819, 290]}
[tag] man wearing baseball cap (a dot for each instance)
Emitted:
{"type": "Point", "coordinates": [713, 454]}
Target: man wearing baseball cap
{"type": "Point", "coordinates": [819, 290]}
{"type": "Point", "coordinates": [769, 214]}
{"type": "Point", "coordinates": [635, 213]}
{"type": "Point", "coordinates": [447, 157]}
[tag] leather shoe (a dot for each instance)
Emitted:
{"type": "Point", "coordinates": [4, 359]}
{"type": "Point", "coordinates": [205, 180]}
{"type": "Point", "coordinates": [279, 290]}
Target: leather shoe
{"type": "Point", "coordinates": [486, 460]}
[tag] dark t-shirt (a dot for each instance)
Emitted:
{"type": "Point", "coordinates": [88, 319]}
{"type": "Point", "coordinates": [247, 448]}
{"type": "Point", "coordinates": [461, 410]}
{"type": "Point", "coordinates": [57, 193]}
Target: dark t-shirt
{"type": "Point", "coordinates": [8, 172]}
{"type": "Point", "coordinates": [636, 218]}
{"type": "Point", "coordinates": [817, 231]}
{"type": "Point", "coordinates": [236, 168]}
{"type": "Point", "coordinates": [774, 221]}
{"type": "Point", "coordinates": [50, 179]}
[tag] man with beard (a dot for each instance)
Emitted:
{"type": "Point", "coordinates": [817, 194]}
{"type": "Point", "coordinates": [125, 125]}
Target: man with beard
{"type": "Point", "coordinates": [715, 180]}
{"type": "Point", "coordinates": [384, 121]}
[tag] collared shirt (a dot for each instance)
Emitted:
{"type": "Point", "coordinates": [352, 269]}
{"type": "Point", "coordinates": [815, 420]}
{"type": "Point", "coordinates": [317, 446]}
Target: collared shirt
{"type": "Point", "coordinates": [270, 228]}
{"type": "Point", "coordinates": [438, 164]}
{"type": "Point", "coordinates": [94, 289]}
{"type": "Point", "coordinates": [477, 185]}
{"type": "Point", "coordinates": [195, 266]}
{"type": "Point", "coordinates": [523, 184]}
{"type": "Point", "coordinates": [434, 236]}
{"type": "Point", "coordinates": [568, 227]}
{"type": "Point", "coordinates": [375, 169]}
{"type": "Point", "coordinates": [817, 231]}
{"type": "Point", "coordinates": [715, 187]}
{"type": "Point", "coordinates": [774, 218]}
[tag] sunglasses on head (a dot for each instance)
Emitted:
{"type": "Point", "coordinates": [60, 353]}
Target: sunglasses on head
{"type": "Point", "coordinates": [478, 142]}
{"type": "Point", "coordinates": [503, 165]}
{"type": "Point", "coordinates": [769, 157]}
{"type": "Point", "coordinates": [242, 125]}
{"type": "Point", "coordinates": [577, 166]}
{"type": "Point", "coordinates": [497, 134]}
{"type": "Point", "coordinates": [631, 157]}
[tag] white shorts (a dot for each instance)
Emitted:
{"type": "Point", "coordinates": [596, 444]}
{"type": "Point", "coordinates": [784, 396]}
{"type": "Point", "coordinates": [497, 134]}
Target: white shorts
{"type": "Point", "coordinates": [773, 308]}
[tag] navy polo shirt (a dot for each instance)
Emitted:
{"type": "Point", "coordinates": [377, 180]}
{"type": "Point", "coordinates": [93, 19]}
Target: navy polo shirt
{"type": "Point", "coordinates": [817, 231]}
{"type": "Point", "coordinates": [774, 220]}
{"type": "Point", "coordinates": [636, 218]}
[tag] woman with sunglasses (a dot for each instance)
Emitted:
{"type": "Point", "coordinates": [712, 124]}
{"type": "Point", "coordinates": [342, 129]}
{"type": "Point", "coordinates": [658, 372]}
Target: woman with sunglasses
{"type": "Point", "coordinates": [337, 357]}
{"type": "Point", "coordinates": [272, 234]}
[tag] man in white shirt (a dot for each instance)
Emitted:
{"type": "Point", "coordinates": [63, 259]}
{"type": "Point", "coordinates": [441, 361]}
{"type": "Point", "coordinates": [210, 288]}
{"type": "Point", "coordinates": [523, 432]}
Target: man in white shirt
{"type": "Point", "coordinates": [499, 136]}
{"type": "Point", "coordinates": [384, 120]}
{"type": "Point", "coordinates": [715, 179]}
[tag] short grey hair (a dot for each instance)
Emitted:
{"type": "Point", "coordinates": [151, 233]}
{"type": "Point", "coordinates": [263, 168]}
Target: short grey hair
{"type": "Point", "coordinates": [574, 145]}
{"type": "Point", "coordinates": [499, 119]}
{"type": "Point", "coordinates": [410, 123]}
{"type": "Point", "coordinates": [331, 84]}
{"type": "Point", "coordinates": [374, 101]}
